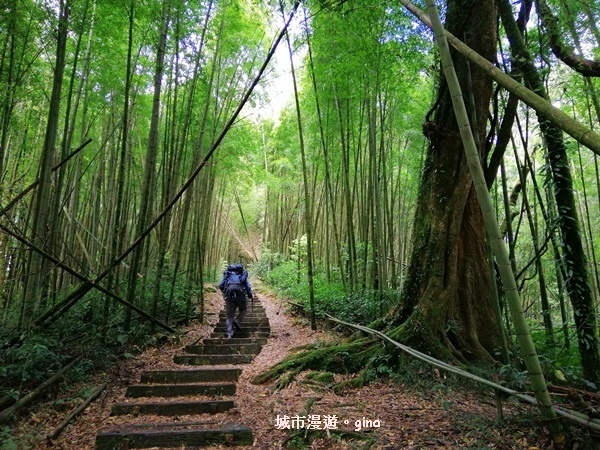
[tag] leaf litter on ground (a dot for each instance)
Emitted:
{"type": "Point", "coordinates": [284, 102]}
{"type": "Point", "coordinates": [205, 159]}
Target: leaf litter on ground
{"type": "Point", "coordinates": [382, 415]}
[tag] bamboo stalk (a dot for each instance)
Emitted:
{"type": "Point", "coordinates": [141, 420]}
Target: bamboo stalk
{"type": "Point", "coordinates": [534, 369]}
{"type": "Point", "coordinates": [59, 429]}
{"type": "Point", "coordinates": [6, 415]}
{"type": "Point", "coordinates": [579, 132]}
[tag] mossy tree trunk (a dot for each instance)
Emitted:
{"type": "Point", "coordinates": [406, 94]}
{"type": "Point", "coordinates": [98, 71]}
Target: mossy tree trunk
{"type": "Point", "coordinates": [447, 302]}
{"type": "Point", "coordinates": [577, 282]}
{"type": "Point", "coordinates": [448, 297]}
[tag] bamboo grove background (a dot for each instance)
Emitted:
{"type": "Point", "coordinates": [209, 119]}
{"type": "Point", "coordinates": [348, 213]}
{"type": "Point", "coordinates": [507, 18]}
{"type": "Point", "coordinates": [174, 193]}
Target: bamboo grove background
{"type": "Point", "coordinates": [106, 108]}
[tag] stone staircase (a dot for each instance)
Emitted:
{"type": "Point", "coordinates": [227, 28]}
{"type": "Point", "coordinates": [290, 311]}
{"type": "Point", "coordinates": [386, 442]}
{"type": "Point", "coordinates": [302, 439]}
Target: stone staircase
{"type": "Point", "coordinates": [204, 385]}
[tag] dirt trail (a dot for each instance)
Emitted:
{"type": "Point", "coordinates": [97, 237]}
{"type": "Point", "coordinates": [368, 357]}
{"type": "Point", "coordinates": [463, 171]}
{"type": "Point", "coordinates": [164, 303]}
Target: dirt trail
{"type": "Point", "coordinates": [383, 414]}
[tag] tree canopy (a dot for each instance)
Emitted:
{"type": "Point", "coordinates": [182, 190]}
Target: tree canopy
{"type": "Point", "coordinates": [137, 159]}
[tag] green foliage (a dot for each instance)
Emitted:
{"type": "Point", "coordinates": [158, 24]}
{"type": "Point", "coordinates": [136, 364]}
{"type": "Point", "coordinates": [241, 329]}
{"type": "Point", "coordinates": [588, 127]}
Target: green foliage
{"type": "Point", "coordinates": [380, 366]}
{"type": "Point", "coordinates": [330, 296]}
{"type": "Point", "coordinates": [34, 361]}
{"type": "Point", "coordinates": [7, 440]}
{"type": "Point", "coordinates": [81, 332]}
{"type": "Point", "coordinates": [303, 439]}
{"type": "Point", "coordinates": [168, 308]}
{"type": "Point", "coordinates": [514, 378]}
{"type": "Point", "coordinates": [560, 363]}
{"type": "Point", "coordinates": [268, 260]}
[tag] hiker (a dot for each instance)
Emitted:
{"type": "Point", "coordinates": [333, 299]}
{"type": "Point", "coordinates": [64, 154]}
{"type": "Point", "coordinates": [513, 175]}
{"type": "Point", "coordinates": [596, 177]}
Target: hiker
{"type": "Point", "coordinates": [235, 288]}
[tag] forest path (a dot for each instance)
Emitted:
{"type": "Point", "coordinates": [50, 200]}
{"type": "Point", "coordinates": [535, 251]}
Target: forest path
{"type": "Point", "coordinates": [204, 385]}
{"type": "Point", "coordinates": [384, 414]}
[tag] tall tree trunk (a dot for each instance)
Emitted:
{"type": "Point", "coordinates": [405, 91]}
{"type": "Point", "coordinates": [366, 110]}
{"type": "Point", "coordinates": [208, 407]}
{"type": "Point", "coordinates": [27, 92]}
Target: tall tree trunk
{"type": "Point", "coordinates": [545, 302]}
{"type": "Point", "coordinates": [474, 161]}
{"type": "Point", "coordinates": [116, 217]}
{"type": "Point", "coordinates": [351, 256]}
{"type": "Point", "coordinates": [329, 203]}
{"type": "Point", "coordinates": [7, 65]}
{"type": "Point", "coordinates": [75, 185]}
{"type": "Point", "coordinates": [150, 163]}
{"type": "Point", "coordinates": [543, 107]}
{"type": "Point", "coordinates": [447, 298]}
{"type": "Point", "coordinates": [38, 267]}
{"type": "Point", "coordinates": [187, 120]}
{"type": "Point", "coordinates": [170, 171]}
{"type": "Point", "coordinates": [577, 283]}
{"type": "Point", "coordinates": [307, 197]}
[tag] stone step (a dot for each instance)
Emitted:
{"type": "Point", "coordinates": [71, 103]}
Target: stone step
{"type": "Point", "coordinates": [206, 374]}
{"type": "Point", "coordinates": [244, 327]}
{"type": "Point", "coordinates": [256, 309]}
{"type": "Point", "coordinates": [247, 319]}
{"type": "Point", "coordinates": [259, 322]}
{"type": "Point", "coordinates": [250, 348]}
{"type": "Point", "coordinates": [179, 390]}
{"type": "Point", "coordinates": [172, 408]}
{"type": "Point", "coordinates": [214, 384]}
{"type": "Point", "coordinates": [249, 313]}
{"type": "Point", "coordinates": [234, 341]}
{"type": "Point", "coordinates": [173, 435]}
{"type": "Point", "coordinates": [242, 334]}
{"type": "Point", "coordinates": [222, 329]}
{"type": "Point", "coordinates": [207, 360]}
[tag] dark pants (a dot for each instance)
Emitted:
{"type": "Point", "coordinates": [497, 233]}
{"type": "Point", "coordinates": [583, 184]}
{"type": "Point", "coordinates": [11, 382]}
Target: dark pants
{"type": "Point", "coordinates": [233, 303]}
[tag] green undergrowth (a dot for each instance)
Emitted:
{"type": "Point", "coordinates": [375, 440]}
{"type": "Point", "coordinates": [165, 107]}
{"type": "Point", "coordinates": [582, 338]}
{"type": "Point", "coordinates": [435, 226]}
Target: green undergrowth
{"type": "Point", "coordinates": [82, 332]}
{"type": "Point", "coordinates": [290, 282]}
{"type": "Point", "coordinates": [307, 439]}
{"type": "Point", "coordinates": [362, 358]}
{"type": "Point", "coordinates": [560, 361]}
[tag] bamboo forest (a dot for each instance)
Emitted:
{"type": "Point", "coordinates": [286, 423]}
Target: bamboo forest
{"type": "Point", "coordinates": [405, 195]}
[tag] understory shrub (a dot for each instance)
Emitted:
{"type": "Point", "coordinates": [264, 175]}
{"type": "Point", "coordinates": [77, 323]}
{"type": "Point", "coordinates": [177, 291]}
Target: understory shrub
{"type": "Point", "coordinates": [290, 281]}
{"type": "Point", "coordinates": [560, 362]}
{"type": "Point", "coordinates": [33, 357]}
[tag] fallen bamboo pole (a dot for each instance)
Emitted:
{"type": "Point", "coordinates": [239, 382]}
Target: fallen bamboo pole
{"type": "Point", "coordinates": [8, 413]}
{"type": "Point", "coordinates": [59, 429]}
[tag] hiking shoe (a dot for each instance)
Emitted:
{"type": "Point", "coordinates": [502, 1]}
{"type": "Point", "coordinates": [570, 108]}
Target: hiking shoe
{"type": "Point", "coordinates": [229, 336]}
{"type": "Point", "coordinates": [237, 326]}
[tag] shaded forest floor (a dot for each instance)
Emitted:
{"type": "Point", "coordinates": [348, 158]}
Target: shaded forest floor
{"type": "Point", "coordinates": [402, 415]}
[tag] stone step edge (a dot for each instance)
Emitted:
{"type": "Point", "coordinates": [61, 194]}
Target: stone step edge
{"type": "Point", "coordinates": [173, 435]}
{"type": "Point", "coordinates": [261, 341]}
{"type": "Point", "coordinates": [245, 348]}
{"type": "Point", "coordinates": [242, 334]}
{"type": "Point", "coordinates": [209, 360]}
{"type": "Point", "coordinates": [206, 374]}
{"type": "Point", "coordinates": [170, 408]}
{"type": "Point", "coordinates": [166, 390]}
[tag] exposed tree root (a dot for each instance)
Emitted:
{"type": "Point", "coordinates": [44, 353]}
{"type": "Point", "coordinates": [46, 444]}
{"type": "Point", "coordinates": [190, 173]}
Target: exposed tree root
{"type": "Point", "coordinates": [366, 357]}
{"type": "Point", "coordinates": [347, 357]}
{"type": "Point", "coordinates": [320, 377]}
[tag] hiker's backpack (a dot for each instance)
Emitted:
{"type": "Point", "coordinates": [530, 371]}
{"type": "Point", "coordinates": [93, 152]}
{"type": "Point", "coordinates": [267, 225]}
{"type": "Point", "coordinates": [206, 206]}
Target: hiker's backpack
{"type": "Point", "coordinates": [234, 285]}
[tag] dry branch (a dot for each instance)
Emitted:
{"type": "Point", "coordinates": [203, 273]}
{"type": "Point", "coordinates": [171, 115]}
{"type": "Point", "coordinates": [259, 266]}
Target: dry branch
{"type": "Point", "coordinates": [75, 412]}
{"type": "Point", "coordinates": [571, 415]}
{"type": "Point", "coordinates": [76, 274]}
{"type": "Point", "coordinates": [7, 401]}
{"type": "Point", "coordinates": [6, 415]}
